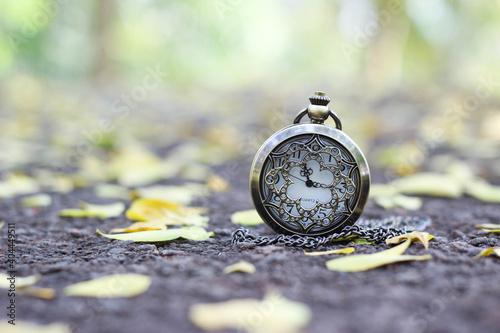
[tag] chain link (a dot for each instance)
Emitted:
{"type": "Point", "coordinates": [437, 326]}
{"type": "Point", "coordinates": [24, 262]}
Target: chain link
{"type": "Point", "coordinates": [375, 230]}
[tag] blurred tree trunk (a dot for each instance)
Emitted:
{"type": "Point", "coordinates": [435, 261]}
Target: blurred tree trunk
{"type": "Point", "coordinates": [105, 12]}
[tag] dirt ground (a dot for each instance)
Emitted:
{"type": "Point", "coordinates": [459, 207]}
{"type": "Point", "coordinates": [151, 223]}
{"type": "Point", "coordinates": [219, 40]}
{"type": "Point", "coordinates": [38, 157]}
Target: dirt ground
{"type": "Point", "coordinates": [450, 293]}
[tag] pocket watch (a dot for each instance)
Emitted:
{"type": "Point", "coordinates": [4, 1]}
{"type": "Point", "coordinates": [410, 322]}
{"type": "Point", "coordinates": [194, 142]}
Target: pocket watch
{"type": "Point", "coordinates": [310, 179]}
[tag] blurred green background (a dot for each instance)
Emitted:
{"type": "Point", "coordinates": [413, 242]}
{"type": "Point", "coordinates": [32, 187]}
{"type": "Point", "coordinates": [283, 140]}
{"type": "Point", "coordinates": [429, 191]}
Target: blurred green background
{"type": "Point", "coordinates": [81, 80]}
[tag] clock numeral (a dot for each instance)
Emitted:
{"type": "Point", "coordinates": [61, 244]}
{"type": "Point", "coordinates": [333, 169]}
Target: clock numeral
{"type": "Point", "coordinates": [291, 207]}
{"type": "Point", "coordinates": [322, 211]}
{"type": "Point", "coordinates": [296, 154]}
{"type": "Point", "coordinates": [278, 161]}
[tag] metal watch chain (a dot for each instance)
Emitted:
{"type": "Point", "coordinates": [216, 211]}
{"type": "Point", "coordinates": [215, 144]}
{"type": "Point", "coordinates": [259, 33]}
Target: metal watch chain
{"type": "Point", "coordinates": [375, 230]}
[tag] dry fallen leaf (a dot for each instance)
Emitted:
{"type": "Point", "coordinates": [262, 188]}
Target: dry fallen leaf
{"type": "Point", "coordinates": [216, 183]}
{"type": "Point", "coordinates": [37, 200]}
{"type": "Point", "coordinates": [364, 262]}
{"type": "Point", "coordinates": [285, 317]}
{"type": "Point", "coordinates": [414, 236]}
{"type": "Point", "coordinates": [91, 210]}
{"type": "Point", "coordinates": [45, 293]}
{"type": "Point", "coordinates": [242, 266]}
{"type": "Point", "coordinates": [183, 195]}
{"type": "Point", "coordinates": [21, 282]}
{"type": "Point", "coordinates": [346, 250]}
{"type": "Point", "coordinates": [141, 226]}
{"type": "Point", "coordinates": [192, 233]}
{"type": "Point", "coordinates": [137, 166]}
{"type": "Point", "coordinates": [112, 191]}
{"type": "Point", "coordinates": [246, 218]}
{"type": "Point", "coordinates": [17, 184]}
{"type": "Point", "coordinates": [27, 327]}
{"type": "Point", "coordinates": [153, 209]}
{"type": "Point", "coordinates": [111, 286]}
{"type": "Point", "coordinates": [482, 190]}
{"type": "Point", "coordinates": [488, 227]}
{"type": "Point", "coordinates": [486, 252]}
{"type": "Point", "coordinates": [399, 200]}
{"type": "Point", "coordinates": [432, 184]}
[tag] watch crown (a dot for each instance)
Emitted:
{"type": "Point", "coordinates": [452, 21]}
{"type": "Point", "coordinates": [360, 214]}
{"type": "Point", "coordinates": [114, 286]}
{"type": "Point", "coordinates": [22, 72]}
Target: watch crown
{"type": "Point", "coordinates": [319, 98]}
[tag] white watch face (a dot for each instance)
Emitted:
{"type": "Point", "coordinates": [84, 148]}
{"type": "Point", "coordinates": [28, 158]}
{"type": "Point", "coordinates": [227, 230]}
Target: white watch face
{"type": "Point", "coordinates": [309, 183]}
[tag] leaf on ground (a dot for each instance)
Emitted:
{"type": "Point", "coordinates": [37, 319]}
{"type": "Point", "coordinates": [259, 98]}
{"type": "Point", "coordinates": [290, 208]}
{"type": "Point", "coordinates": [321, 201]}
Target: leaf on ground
{"type": "Point", "coordinates": [153, 209]}
{"type": "Point", "coordinates": [488, 227]}
{"type": "Point", "coordinates": [482, 190]}
{"type": "Point", "coordinates": [183, 195]}
{"type": "Point", "coordinates": [91, 210]}
{"type": "Point", "coordinates": [361, 241]}
{"type": "Point", "coordinates": [192, 233]}
{"type": "Point", "coordinates": [242, 266]}
{"type": "Point", "coordinates": [27, 327]}
{"type": "Point", "coordinates": [112, 191]}
{"type": "Point", "coordinates": [286, 316]}
{"type": "Point", "coordinates": [216, 183]}
{"type": "Point", "coordinates": [345, 250]}
{"type": "Point", "coordinates": [2, 224]}
{"type": "Point", "coordinates": [45, 293]}
{"type": "Point", "coordinates": [399, 200]}
{"type": "Point", "coordinates": [414, 236]}
{"type": "Point", "coordinates": [488, 251]}
{"type": "Point", "coordinates": [37, 200]}
{"type": "Point", "coordinates": [17, 184]}
{"type": "Point", "coordinates": [247, 218]}
{"type": "Point", "coordinates": [382, 190]}
{"type": "Point", "coordinates": [111, 286]}
{"type": "Point", "coordinates": [432, 184]}
{"type": "Point", "coordinates": [364, 262]}
{"type": "Point", "coordinates": [141, 226]}
{"type": "Point", "coordinates": [21, 282]}
{"type": "Point", "coordinates": [137, 166]}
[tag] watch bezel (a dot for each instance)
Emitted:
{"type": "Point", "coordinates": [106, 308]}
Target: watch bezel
{"type": "Point", "coordinates": [290, 132]}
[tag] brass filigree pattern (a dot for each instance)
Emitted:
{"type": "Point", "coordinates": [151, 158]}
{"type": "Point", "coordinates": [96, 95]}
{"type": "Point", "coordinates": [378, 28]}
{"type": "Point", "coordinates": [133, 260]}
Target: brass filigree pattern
{"type": "Point", "coordinates": [305, 154]}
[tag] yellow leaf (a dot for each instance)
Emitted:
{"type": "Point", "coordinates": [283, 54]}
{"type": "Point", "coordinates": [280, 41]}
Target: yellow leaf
{"type": "Point", "coordinates": [150, 209]}
{"type": "Point", "coordinates": [488, 227]}
{"type": "Point", "coordinates": [382, 190]}
{"type": "Point", "coordinates": [414, 236]}
{"type": "Point", "coordinates": [399, 200]}
{"type": "Point", "coordinates": [27, 327]}
{"type": "Point", "coordinates": [247, 218]}
{"type": "Point", "coordinates": [20, 282]}
{"type": "Point", "coordinates": [486, 252]}
{"type": "Point", "coordinates": [112, 191]}
{"type": "Point", "coordinates": [433, 184]}
{"type": "Point", "coordinates": [2, 224]}
{"type": "Point", "coordinates": [111, 286]}
{"type": "Point", "coordinates": [192, 233]}
{"type": "Point", "coordinates": [484, 191]}
{"type": "Point", "coordinates": [17, 184]}
{"type": "Point", "coordinates": [176, 194]}
{"type": "Point", "coordinates": [141, 226]}
{"type": "Point", "coordinates": [137, 166]}
{"type": "Point", "coordinates": [286, 316]}
{"type": "Point", "coordinates": [91, 210]}
{"type": "Point", "coordinates": [216, 183]}
{"type": "Point", "coordinates": [45, 293]}
{"type": "Point", "coordinates": [397, 250]}
{"type": "Point", "coordinates": [37, 200]}
{"type": "Point", "coordinates": [153, 209]}
{"type": "Point", "coordinates": [323, 253]}
{"type": "Point", "coordinates": [242, 266]}
{"type": "Point", "coordinates": [364, 262]}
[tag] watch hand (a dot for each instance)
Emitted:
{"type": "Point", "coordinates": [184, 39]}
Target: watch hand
{"type": "Point", "coordinates": [302, 180]}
